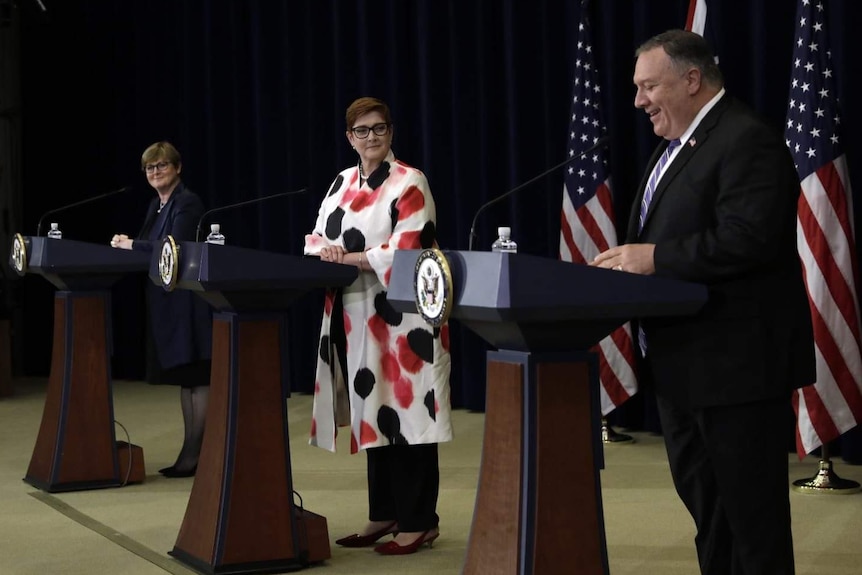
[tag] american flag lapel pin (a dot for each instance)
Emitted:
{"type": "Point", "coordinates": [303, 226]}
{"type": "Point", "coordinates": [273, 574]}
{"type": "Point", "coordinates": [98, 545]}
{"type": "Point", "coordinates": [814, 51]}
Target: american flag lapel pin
{"type": "Point", "coordinates": [692, 142]}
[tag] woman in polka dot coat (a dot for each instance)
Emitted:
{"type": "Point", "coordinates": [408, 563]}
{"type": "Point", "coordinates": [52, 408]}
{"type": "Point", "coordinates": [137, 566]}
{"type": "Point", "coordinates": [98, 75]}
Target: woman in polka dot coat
{"type": "Point", "coordinates": [382, 373]}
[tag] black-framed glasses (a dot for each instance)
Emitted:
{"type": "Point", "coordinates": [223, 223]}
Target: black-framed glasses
{"type": "Point", "coordinates": [160, 167]}
{"type": "Point", "coordinates": [362, 132]}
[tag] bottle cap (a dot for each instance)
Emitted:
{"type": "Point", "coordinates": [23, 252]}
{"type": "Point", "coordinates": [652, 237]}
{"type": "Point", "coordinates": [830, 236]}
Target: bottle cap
{"type": "Point", "coordinates": [504, 231]}
{"type": "Point", "coordinates": [214, 228]}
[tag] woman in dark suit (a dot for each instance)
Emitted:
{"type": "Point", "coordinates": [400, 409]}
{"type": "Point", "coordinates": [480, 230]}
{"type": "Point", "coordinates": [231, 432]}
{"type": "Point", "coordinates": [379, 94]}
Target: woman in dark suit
{"type": "Point", "coordinates": [718, 207]}
{"type": "Point", "coordinates": [180, 324]}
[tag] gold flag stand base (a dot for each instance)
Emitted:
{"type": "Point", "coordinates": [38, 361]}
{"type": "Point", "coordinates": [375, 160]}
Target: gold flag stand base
{"type": "Point", "coordinates": [826, 481]}
{"type": "Point", "coordinates": [611, 436]}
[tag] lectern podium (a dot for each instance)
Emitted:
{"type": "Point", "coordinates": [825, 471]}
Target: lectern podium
{"type": "Point", "coordinates": [76, 447]}
{"type": "Point", "coordinates": [242, 516]}
{"type": "Point", "coordinates": [538, 505]}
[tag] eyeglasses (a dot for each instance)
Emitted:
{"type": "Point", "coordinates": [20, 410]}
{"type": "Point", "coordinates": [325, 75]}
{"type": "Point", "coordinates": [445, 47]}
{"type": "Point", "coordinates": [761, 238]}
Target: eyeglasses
{"type": "Point", "coordinates": [362, 132]}
{"type": "Point", "coordinates": [160, 167]}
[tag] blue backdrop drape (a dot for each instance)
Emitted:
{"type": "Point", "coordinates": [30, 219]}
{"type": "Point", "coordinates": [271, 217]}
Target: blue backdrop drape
{"type": "Point", "coordinates": [253, 94]}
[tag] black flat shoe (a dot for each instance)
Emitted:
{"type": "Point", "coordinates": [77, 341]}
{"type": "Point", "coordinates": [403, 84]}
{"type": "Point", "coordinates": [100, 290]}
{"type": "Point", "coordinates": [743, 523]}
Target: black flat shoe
{"type": "Point", "coordinates": [174, 472]}
{"type": "Point", "coordinates": [165, 470]}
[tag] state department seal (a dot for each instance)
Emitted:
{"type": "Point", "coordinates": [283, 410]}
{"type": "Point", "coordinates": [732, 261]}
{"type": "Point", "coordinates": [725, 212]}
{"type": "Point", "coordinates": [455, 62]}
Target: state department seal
{"type": "Point", "coordinates": [432, 285]}
{"type": "Point", "coordinates": [18, 256]}
{"type": "Point", "coordinates": [169, 264]}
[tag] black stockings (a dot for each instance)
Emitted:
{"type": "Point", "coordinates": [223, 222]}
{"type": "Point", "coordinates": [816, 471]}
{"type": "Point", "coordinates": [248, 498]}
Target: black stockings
{"type": "Point", "coordinates": [194, 405]}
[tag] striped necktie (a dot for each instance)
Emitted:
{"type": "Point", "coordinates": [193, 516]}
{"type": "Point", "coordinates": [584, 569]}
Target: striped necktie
{"type": "Point", "coordinates": [653, 181]}
{"type": "Point", "coordinates": [648, 192]}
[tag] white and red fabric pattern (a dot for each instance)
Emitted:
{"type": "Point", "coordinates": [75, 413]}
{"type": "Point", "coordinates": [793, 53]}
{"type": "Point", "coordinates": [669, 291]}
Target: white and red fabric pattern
{"type": "Point", "coordinates": [397, 388]}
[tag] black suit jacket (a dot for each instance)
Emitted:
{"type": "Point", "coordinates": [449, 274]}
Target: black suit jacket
{"type": "Point", "coordinates": [181, 322]}
{"type": "Point", "coordinates": [724, 215]}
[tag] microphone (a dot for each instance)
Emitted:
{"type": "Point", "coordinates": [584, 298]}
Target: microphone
{"type": "Point", "coordinates": [75, 204]}
{"type": "Point", "coordinates": [600, 143]}
{"type": "Point", "coordinates": [239, 204]}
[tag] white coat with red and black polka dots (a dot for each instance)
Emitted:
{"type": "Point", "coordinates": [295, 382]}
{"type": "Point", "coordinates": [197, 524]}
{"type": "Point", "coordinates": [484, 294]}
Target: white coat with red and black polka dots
{"type": "Point", "coordinates": [397, 366]}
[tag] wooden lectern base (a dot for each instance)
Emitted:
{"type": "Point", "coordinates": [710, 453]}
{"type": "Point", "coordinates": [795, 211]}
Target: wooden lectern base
{"type": "Point", "coordinates": [313, 547]}
{"type": "Point", "coordinates": [242, 515]}
{"type": "Point", "coordinates": [76, 447]}
{"type": "Point", "coordinates": [538, 505]}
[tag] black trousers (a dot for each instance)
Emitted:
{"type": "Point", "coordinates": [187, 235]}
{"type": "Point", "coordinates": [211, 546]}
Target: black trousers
{"type": "Point", "coordinates": [403, 484]}
{"type": "Point", "coordinates": [730, 468]}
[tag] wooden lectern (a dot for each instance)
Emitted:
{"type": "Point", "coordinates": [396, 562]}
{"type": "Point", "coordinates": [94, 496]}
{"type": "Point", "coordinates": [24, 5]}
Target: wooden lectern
{"type": "Point", "coordinates": [76, 447]}
{"type": "Point", "coordinates": [242, 515]}
{"type": "Point", "coordinates": [538, 504]}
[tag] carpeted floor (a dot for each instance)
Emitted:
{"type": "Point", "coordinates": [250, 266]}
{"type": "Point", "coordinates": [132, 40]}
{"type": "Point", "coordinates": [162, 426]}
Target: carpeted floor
{"type": "Point", "coordinates": [129, 530]}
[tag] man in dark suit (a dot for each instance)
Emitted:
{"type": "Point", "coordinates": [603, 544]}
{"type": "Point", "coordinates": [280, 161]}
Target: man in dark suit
{"type": "Point", "coordinates": [718, 207]}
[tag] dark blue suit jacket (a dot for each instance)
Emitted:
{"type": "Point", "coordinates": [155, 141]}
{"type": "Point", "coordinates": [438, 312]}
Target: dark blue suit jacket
{"type": "Point", "coordinates": [181, 321]}
{"type": "Point", "coordinates": [724, 215]}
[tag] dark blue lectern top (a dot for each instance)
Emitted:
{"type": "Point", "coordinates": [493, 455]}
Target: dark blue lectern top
{"type": "Point", "coordinates": [74, 265]}
{"type": "Point", "coordinates": [530, 303]}
{"type": "Point", "coordinates": [232, 278]}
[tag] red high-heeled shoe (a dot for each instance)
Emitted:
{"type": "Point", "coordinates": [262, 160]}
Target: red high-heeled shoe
{"type": "Point", "coordinates": [393, 548]}
{"type": "Point", "coordinates": [357, 540]}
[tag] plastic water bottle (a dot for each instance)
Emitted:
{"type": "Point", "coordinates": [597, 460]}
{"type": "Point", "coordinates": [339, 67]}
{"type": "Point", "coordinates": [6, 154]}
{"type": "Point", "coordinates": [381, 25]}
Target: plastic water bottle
{"type": "Point", "coordinates": [215, 236]}
{"type": "Point", "coordinates": [55, 232]}
{"type": "Point", "coordinates": [504, 243]}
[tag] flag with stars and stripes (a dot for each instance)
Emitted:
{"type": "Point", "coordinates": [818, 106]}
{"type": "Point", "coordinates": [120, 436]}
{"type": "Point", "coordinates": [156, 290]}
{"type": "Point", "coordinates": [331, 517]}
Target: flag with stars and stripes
{"type": "Point", "coordinates": [696, 22]}
{"type": "Point", "coordinates": [825, 237]}
{"type": "Point", "coordinates": [588, 216]}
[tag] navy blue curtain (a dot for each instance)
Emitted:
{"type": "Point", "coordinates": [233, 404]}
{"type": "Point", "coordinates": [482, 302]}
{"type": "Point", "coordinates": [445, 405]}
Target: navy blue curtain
{"type": "Point", "coordinates": [253, 94]}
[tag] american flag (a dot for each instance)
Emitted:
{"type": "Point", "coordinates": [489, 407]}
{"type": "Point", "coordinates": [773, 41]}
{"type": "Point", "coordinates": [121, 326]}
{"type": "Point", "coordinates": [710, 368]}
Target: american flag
{"type": "Point", "coordinates": [696, 22]}
{"type": "Point", "coordinates": [587, 226]}
{"type": "Point", "coordinates": [825, 237]}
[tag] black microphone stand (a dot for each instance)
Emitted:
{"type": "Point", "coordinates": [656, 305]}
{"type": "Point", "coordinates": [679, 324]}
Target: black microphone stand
{"type": "Point", "coordinates": [601, 142]}
{"type": "Point", "coordinates": [240, 204]}
{"type": "Point", "coordinates": [86, 201]}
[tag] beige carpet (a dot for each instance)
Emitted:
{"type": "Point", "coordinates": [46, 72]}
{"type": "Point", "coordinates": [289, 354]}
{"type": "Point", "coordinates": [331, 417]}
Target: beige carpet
{"type": "Point", "coordinates": [129, 530]}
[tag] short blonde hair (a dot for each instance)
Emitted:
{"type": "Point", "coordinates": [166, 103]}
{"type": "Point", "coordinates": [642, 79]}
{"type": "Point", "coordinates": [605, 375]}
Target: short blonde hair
{"type": "Point", "coordinates": [161, 151]}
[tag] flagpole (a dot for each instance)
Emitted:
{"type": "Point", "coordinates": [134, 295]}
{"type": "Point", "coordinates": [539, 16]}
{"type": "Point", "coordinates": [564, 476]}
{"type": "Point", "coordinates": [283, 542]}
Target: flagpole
{"type": "Point", "coordinates": [826, 480]}
{"type": "Point", "coordinates": [611, 436]}
{"type": "Point", "coordinates": [826, 243]}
